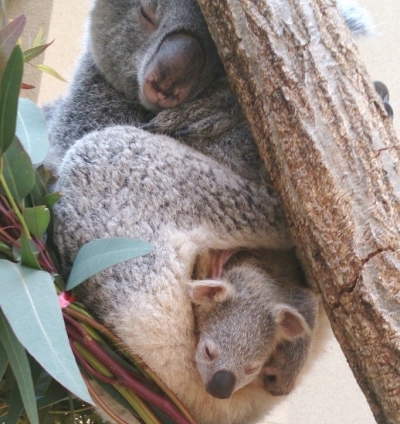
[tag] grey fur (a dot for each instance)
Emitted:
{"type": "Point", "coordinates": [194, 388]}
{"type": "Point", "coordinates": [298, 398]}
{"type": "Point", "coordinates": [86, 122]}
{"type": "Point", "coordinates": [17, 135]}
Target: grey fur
{"type": "Point", "coordinates": [238, 322]}
{"type": "Point", "coordinates": [123, 181]}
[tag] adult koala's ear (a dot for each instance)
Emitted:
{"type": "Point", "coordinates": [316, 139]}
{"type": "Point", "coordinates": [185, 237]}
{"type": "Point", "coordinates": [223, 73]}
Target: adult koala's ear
{"type": "Point", "coordinates": [209, 292]}
{"type": "Point", "coordinates": [290, 322]}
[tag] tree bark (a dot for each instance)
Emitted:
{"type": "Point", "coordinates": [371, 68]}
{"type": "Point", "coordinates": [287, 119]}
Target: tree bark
{"type": "Point", "coordinates": [334, 159]}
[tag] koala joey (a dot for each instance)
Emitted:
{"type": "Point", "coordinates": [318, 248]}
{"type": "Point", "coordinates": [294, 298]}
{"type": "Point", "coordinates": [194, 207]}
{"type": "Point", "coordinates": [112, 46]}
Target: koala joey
{"type": "Point", "coordinates": [255, 316]}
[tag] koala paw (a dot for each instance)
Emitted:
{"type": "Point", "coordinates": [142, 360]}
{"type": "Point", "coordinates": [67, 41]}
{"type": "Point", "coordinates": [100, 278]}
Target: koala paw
{"type": "Point", "coordinates": [214, 112]}
{"type": "Point", "coordinates": [383, 92]}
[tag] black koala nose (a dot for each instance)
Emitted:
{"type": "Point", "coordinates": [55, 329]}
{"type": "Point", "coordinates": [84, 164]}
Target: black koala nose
{"type": "Point", "coordinates": [221, 385]}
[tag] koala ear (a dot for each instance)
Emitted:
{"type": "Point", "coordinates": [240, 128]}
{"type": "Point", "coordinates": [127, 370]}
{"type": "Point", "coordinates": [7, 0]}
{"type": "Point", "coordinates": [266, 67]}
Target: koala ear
{"type": "Point", "coordinates": [218, 258]}
{"type": "Point", "coordinates": [290, 322]}
{"type": "Point", "coordinates": [207, 292]}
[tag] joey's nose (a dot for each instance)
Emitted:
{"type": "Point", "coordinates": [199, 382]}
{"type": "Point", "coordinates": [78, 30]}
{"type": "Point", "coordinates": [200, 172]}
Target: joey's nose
{"type": "Point", "coordinates": [221, 385]}
{"type": "Point", "coordinates": [174, 71]}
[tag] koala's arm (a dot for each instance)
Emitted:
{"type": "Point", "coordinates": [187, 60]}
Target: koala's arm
{"type": "Point", "coordinates": [90, 104]}
{"type": "Point", "coordinates": [160, 184]}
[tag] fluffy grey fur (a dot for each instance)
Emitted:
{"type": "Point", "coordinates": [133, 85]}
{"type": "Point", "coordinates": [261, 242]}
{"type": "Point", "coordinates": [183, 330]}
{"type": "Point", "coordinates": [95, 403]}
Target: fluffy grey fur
{"type": "Point", "coordinates": [124, 181]}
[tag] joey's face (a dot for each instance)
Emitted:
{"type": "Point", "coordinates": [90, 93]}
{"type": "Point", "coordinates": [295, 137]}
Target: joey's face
{"type": "Point", "coordinates": [156, 51]}
{"type": "Point", "coordinates": [223, 374]}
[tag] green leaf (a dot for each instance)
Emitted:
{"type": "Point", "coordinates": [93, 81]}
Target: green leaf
{"type": "Point", "coordinates": [55, 393]}
{"type": "Point", "coordinates": [5, 250]}
{"type": "Point", "coordinates": [51, 199]}
{"type": "Point", "coordinates": [37, 219]}
{"type": "Point", "coordinates": [29, 253]}
{"type": "Point", "coordinates": [3, 360]}
{"type": "Point", "coordinates": [9, 91]}
{"type": "Point", "coordinates": [39, 37]}
{"type": "Point", "coordinates": [100, 254]}
{"type": "Point", "coordinates": [50, 71]}
{"type": "Point", "coordinates": [9, 36]}
{"type": "Point", "coordinates": [18, 171]}
{"type": "Point", "coordinates": [42, 177]}
{"type": "Point", "coordinates": [35, 51]}
{"type": "Point", "coordinates": [20, 367]}
{"type": "Point", "coordinates": [32, 130]}
{"type": "Point", "coordinates": [13, 399]}
{"type": "Point", "coordinates": [29, 300]}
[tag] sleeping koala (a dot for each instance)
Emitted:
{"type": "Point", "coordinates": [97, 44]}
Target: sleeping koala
{"type": "Point", "coordinates": [123, 181]}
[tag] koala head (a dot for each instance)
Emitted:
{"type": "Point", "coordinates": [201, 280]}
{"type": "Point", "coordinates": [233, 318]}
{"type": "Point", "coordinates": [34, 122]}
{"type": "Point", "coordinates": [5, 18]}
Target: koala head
{"type": "Point", "coordinates": [241, 318]}
{"type": "Point", "coordinates": [157, 51]}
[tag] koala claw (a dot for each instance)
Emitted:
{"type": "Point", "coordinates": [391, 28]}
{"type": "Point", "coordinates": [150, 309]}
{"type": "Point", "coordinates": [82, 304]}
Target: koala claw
{"type": "Point", "coordinates": [383, 92]}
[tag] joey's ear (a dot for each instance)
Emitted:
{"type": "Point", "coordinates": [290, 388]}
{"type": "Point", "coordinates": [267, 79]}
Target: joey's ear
{"type": "Point", "coordinates": [290, 322]}
{"type": "Point", "coordinates": [218, 258]}
{"type": "Point", "coordinates": [207, 292]}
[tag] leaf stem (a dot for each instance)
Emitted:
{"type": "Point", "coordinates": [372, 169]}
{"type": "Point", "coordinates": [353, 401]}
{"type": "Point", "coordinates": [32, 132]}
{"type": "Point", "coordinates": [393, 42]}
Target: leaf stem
{"type": "Point", "coordinates": [14, 205]}
{"type": "Point", "coordinates": [6, 250]}
{"type": "Point", "coordinates": [83, 316]}
{"type": "Point", "coordinates": [100, 402]}
{"type": "Point", "coordinates": [127, 380]}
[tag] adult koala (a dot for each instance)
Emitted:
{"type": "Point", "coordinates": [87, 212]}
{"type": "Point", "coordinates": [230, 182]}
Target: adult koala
{"type": "Point", "coordinates": [139, 57]}
{"type": "Point", "coordinates": [137, 60]}
{"type": "Point", "coordinates": [123, 181]}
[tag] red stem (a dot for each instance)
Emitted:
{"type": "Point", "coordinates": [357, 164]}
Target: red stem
{"type": "Point", "coordinates": [90, 369]}
{"type": "Point", "coordinates": [126, 380]}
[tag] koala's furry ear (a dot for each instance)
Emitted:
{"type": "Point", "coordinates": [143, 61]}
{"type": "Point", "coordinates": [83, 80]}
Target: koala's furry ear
{"type": "Point", "coordinates": [290, 322]}
{"type": "Point", "coordinates": [208, 292]}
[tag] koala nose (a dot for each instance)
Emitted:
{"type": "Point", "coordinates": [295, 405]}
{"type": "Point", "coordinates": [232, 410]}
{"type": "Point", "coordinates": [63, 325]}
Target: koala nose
{"type": "Point", "coordinates": [221, 385]}
{"type": "Point", "coordinates": [174, 71]}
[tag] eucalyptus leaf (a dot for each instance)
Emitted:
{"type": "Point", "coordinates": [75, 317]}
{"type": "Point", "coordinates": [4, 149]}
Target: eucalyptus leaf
{"type": "Point", "coordinates": [51, 199]}
{"type": "Point", "coordinates": [3, 360]}
{"type": "Point", "coordinates": [32, 130]}
{"type": "Point", "coordinates": [29, 253]}
{"type": "Point", "coordinates": [35, 51]}
{"type": "Point", "coordinates": [39, 191]}
{"type": "Point", "coordinates": [98, 255]}
{"type": "Point", "coordinates": [20, 367]}
{"type": "Point", "coordinates": [55, 393]}
{"type": "Point", "coordinates": [14, 400]}
{"type": "Point", "coordinates": [39, 37]}
{"type": "Point", "coordinates": [9, 92]}
{"type": "Point", "coordinates": [9, 36]}
{"type": "Point", "coordinates": [50, 71]}
{"type": "Point", "coordinates": [43, 383]}
{"type": "Point", "coordinates": [29, 300]}
{"type": "Point", "coordinates": [18, 171]}
{"type": "Point", "coordinates": [37, 219]}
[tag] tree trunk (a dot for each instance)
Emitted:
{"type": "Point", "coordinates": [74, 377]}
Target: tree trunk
{"type": "Point", "coordinates": [334, 159]}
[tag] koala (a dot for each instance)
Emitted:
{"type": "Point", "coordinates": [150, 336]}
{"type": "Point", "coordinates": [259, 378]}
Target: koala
{"type": "Point", "coordinates": [125, 182]}
{"type": "Point", "coordinates": [254, 316]}
{"type": "Point", "coordinates": [136, 60]}
{"type": "Point", "coordinates": [121, 180]}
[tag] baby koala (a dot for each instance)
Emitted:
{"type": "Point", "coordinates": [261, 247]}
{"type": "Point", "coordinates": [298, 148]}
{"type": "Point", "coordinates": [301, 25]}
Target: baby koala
{"type": "Point", "coordinates": [255, 319]}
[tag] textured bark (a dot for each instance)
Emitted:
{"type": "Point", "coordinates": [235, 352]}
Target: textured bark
{"type": "Point", "coordinates": [334, 158]}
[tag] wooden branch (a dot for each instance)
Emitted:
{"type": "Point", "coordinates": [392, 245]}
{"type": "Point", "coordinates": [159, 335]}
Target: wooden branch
{"type": "Point", "coordinates": [334, 158]}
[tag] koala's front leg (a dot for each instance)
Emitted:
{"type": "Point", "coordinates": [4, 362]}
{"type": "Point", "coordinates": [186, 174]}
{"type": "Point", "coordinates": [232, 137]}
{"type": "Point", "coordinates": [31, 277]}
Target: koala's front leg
{"type": "Point", "coordinates": [161, 182]}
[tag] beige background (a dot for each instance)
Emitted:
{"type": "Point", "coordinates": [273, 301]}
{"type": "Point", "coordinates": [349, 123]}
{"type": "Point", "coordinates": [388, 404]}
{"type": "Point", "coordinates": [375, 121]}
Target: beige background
{"type": "Point", "coordinates": [327, 393]}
